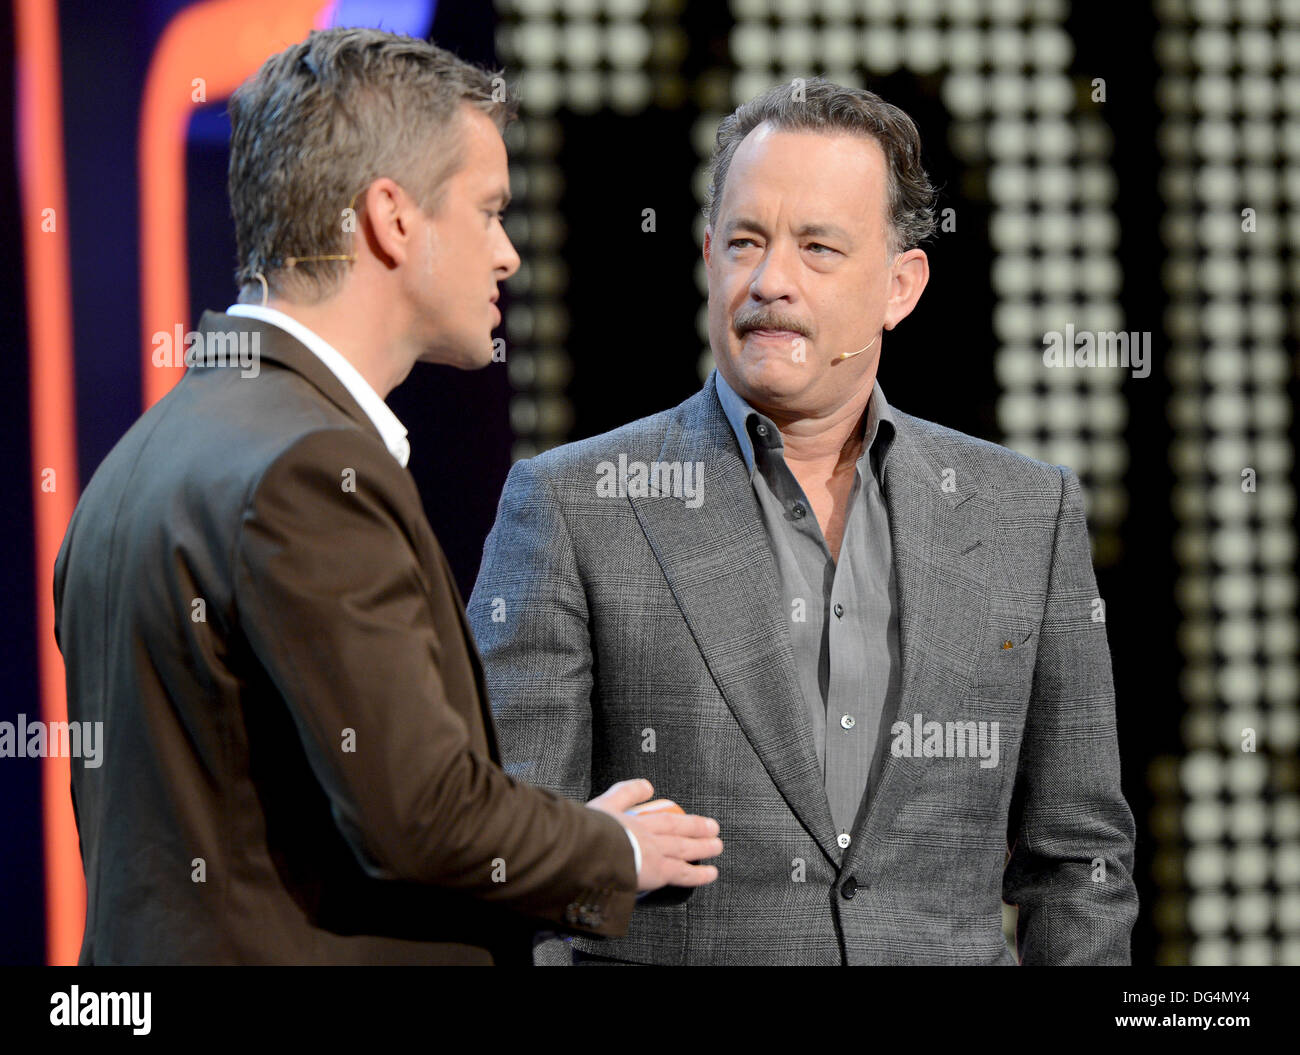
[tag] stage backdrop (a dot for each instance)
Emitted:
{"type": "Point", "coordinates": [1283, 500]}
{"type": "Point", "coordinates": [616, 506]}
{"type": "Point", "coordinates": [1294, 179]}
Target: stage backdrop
{"type": "Point", "coordinates": [1105, 168]}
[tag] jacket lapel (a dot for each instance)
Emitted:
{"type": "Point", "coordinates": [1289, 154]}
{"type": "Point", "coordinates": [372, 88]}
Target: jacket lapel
{"type": "Point", "coordinates": [275, 344]}
{"type": "Point", "coordinates": [942, 516]}
{"type": "Point", "coordinates": [719, 565]}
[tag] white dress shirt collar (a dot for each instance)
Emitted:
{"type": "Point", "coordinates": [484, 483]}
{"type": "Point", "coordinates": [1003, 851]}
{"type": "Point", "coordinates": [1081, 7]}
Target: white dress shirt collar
{"type": "Point", "coordinates": [392, 430]}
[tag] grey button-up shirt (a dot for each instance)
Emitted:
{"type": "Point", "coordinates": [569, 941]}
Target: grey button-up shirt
{"type": "Point", "coordinates": [843, 617]}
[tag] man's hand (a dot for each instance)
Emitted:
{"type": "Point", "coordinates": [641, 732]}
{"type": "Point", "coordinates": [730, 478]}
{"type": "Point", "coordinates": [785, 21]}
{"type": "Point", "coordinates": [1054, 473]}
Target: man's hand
{"type": "Point", "coordinates": [668, 839]}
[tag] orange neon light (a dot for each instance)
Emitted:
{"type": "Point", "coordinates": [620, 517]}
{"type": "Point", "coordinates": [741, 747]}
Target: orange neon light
{"type": "Point", "coordinates": [54, 444]}
{"type": "Point", "coordinates": [222, 42]}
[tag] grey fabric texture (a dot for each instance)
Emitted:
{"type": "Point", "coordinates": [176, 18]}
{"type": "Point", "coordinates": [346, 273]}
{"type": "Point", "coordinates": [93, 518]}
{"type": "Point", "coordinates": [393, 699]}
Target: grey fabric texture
{"type": "Point", "coordinates": [843, 613]}
{"type": "Point", "coordinates": [645, 636]}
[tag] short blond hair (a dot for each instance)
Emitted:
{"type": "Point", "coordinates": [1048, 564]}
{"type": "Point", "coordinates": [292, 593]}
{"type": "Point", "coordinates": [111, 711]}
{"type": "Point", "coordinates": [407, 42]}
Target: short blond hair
{"type": "Point", "coordinates": [323, 119]}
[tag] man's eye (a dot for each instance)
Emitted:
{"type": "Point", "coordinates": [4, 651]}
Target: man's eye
{"type": "Point", "coordinates": [818, 245]}
{"type": "Point", "coordinates": [736, 241]}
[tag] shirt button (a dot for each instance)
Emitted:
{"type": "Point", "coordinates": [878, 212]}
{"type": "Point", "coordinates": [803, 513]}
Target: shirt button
{"type": "Point", "coordinates": [761, 429]}
{"type": "Point", "coordinates": [844, 839]}
{"type": "Point", "coordinates": [798, 510]}
{"type": "Point", "coordinates": [847, 721]}
{"type": "Point", "coordinates": [839, 611]}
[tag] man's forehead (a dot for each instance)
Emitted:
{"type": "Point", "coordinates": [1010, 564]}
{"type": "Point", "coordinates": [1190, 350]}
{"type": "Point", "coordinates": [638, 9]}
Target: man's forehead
{"type": "Point", "coordinates": [812, 203]}
{"type": "Point", "coordinates": [479, 134]}
{"type": "Point", "coordinates": [796, 162]}
{"type": "Point", "coordinates": [485, 166]}
{"type": "Point", "coordinates": [819, 223]}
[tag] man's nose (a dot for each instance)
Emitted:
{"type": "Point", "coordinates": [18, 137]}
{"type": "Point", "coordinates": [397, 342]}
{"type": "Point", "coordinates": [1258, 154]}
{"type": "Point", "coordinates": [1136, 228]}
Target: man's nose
{"type": "Point", "coordinates": [772, 278]}
{"type": "Point", "coordinates": [508, 261]}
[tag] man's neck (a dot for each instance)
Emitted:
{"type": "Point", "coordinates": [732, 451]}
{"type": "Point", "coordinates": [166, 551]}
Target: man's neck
{"type": "Point", "coordinates": [358, 336]}
{"type": "Point", "coordinates": [825, 442]}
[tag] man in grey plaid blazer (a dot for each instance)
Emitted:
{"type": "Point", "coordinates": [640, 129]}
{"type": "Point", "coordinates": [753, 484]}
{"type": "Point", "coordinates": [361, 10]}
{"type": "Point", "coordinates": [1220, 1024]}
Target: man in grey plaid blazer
{"type": "Point", "coordinates": [869, 645]}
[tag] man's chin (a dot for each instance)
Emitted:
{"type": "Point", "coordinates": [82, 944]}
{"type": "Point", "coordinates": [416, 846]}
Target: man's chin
{"type": "Point", "coordinates": [462, 357]}
{"type": "Point", "coordinates": [772, 375]}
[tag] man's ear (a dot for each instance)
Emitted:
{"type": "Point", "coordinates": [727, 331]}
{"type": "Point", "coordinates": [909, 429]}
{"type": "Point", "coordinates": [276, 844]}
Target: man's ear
{"type": "Point", "coordinates": [910, 273]}
{"type": "Point", "coordinates": [389, 220]}
{"type": "Point", "coordinates": [708, 244]}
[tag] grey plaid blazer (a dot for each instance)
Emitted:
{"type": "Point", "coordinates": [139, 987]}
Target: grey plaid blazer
{"type": "Point", "coordinates": [638, 636]}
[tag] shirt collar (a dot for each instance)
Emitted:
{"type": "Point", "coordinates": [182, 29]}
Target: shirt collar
{"type": "Point", "coordinates": [743, 417]}
{"type": "Point", "coordinates": [390, 428]}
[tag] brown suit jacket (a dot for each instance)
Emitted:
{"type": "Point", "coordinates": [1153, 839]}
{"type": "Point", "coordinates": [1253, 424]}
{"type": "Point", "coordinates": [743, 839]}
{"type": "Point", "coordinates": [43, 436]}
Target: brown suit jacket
{"type": "Point", "coordinates": [298, 759]}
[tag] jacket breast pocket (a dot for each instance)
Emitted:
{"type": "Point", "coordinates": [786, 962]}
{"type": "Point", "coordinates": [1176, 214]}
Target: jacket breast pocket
{"type": "Point", "coordinates": [1006, 662]}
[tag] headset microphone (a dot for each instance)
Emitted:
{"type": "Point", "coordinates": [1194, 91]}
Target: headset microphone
{"type": "Point", "coordinates": [850, 355]}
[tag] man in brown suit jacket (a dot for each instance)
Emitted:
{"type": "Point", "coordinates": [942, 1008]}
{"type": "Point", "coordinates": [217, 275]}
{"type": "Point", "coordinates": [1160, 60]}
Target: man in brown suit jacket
{"type": "Point", "coordinates": [299, 763]}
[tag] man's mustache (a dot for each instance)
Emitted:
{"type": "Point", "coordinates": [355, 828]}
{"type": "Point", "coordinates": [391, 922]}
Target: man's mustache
{"type": "Point", "coordinates": [767, 321]}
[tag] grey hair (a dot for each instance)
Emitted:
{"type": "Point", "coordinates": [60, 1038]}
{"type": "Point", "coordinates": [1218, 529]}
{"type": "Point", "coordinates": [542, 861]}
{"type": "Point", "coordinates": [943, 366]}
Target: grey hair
{"type": "Point", "coordinates": [823, 106]}
{"type": "Point", "coordinates": [320, 122]}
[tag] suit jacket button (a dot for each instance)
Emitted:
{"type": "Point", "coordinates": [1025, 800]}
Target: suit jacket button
{"type": "Point", "coordinates": [849, 888]}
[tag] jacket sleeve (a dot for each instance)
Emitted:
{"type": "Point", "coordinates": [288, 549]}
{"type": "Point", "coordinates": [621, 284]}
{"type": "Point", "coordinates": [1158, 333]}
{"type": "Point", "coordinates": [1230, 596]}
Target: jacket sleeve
{"type": "Point", "coordinates": [528, 612]}
{"type": "Point", "coordinates": [529, 616]}
{"type": "Point", "coordinates": [340, 611]}
{"type": "Point", "coordinates": [1071, 830]}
